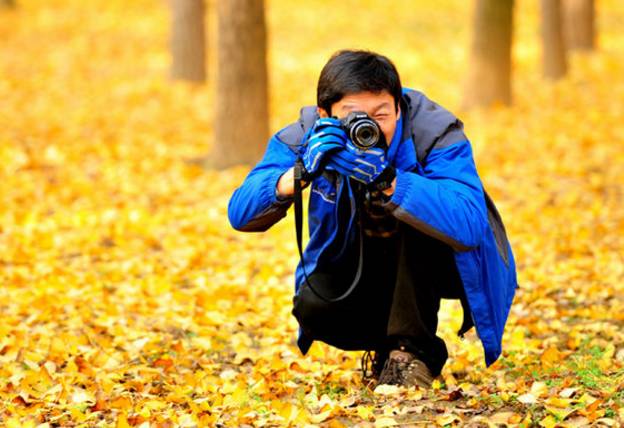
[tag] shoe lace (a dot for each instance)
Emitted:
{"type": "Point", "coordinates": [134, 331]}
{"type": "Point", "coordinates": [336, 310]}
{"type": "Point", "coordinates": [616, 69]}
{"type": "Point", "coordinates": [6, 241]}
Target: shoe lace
{"type": "Point", "coordinates": [368, 360]}
{"type": "Point", "coordinates": [391, 373]}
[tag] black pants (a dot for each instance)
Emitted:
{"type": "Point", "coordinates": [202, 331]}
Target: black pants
{"type": "Point", "coordinates": [414, 271]}
{"type": "Point", "coordinates": [395, 303]}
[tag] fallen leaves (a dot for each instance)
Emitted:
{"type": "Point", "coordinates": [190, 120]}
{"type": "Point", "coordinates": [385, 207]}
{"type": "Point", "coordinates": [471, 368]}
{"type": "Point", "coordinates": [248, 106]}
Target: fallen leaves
{"type": "Point", "coordinates": [127, 300]}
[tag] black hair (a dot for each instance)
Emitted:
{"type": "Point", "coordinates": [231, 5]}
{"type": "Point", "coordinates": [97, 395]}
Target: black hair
{"type": "Point", "coordinates": [352, 71]}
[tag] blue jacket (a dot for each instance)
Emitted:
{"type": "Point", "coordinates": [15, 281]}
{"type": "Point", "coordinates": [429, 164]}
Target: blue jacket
{"type": "Point", "coordinates": [438, 192]}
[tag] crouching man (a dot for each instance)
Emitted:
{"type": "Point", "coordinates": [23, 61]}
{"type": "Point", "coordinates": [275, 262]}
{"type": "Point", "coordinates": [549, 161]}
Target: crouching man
{"type": "Point", "coordinates": [398, 219]}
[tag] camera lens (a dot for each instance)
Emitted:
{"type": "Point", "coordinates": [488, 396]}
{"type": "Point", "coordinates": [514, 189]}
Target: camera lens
{"type": "Point", "coordinates": [365, 134]}
{"type": "Point", "coordinates": [363, 131]}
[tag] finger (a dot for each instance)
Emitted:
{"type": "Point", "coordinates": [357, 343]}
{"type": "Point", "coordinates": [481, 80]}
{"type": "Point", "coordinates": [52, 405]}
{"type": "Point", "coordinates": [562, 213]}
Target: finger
{"type": "Point", "coordinates": [321, 148]}
{"type": "Point", "coordinates": [352, 149]}
{"type": "Point", "coordinates": [317, 150]}
{"type": "Point", "coordinates": [333, 129]}
{"type": "Point", "coordinates": [330, 147]}
{"type": "Point", "coordinates": [327, 137]}
{"type": "Point", "coordinates": [373, 168]}
{"type": "Point", "coordinates": [376, 151]}
{"type": "Point", "coordinates": [344, 158]}
{"type": "Point", "coordinates": [372, 158]}
{"type": "Point", "coordinates": [327, 121]}
{"type": "Point", "coordinates": [336, 133]}
{"type": "Point", "coordinates": [314, 162]}
{"type": "Point", "coordinates": [363, 175]}
{"type": "Point", "coordinates": [372, 152]}
{"type": "Point", "coordinates": [339, 165]}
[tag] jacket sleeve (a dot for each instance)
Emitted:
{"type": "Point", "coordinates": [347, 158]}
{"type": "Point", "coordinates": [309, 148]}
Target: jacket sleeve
{"type": "Point", "coordinates": [254, 206]}
{"type": "Point", "coordinates": [444, 199]}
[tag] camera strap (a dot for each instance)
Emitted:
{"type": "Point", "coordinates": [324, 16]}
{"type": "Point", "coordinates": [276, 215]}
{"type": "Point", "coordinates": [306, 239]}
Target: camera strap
{"type": "Point", "coordinates": [298, 202]}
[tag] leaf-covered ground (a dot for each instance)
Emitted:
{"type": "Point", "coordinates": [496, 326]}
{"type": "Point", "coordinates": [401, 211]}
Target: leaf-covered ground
{"type": "Point", "coordinates": [127, 300]}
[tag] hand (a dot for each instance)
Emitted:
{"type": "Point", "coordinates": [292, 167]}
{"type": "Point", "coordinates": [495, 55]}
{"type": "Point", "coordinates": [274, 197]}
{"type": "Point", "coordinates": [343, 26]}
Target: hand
{"type": "Point", "coordinates": [326, 136]}
{"type": "Point", "coordinates": [361, 165]}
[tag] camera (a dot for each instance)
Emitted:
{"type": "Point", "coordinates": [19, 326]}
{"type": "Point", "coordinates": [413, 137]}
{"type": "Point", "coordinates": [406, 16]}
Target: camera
{"type": "Point", "coordinates": [363, 131]}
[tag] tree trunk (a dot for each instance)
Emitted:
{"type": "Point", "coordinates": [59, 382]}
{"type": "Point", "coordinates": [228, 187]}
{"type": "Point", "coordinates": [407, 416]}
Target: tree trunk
{"type": "Point", "coordinates": [489, 76]}
{"type": "Point", "coordinates": [242, 117]}
{"type": "Point", "coordinates": [188, 40]}
{"type": "Point", "coordinates": [553, 49]}
{"type": "Point", "coordinates": [579, 24]}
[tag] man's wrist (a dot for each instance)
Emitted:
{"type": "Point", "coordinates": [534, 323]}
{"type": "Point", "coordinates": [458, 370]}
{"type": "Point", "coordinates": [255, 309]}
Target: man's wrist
{"type": "Point", "coordinates": [281, 198]}
{"type": "Point", "coordinates": [285, 188]}
{"type": "Point", "coordinates": [390, 190]}
{"type": "Point", "coordinates": [285, 185]}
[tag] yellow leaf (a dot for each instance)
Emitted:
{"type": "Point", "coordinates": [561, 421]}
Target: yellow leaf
{"type": "Point", "coordinates": [527, 398]}
{"type": "Point", "coordinates": [122, 403]}
{"type": "Point", "coordinates": [320, 417]}
{"type": "Point", "coordinates": [122, 422]}
{"type": "Point", "coordinates": [539, 389]}
{"type": "Point", "coordinates": [385, 422]}
{"type": "Point", "coordinates": [384, 389]}
{"type": "Point", "coordinates": [550, 357]}
{"type": "Point", "coordinates": [446, 419]}
{"type": "Point", "coordinates": [609, 352]}
{"type": "Point", "coordinates": [557, 402]}
{"type": "Point", "coordinates": [13, 422]}
{"type": "Point", "coordinates": [365, 412]}
{"type": "Point", "coordinates": [237, 398]}
{"type": "Point", "coordinates": [548, 422]}
{"type": "Point", "coordinates": [501, 418]}
{"type": "Point", "coordinates": [285, 410]}
{"type": "Point", "coordinates": [568, 392]}
{"type": "Point", "coordinates": [587, 399]}
{"type": "Point", "coordinates": [560, 413]}
{"type": "Point", "coordinates": [80, 396]}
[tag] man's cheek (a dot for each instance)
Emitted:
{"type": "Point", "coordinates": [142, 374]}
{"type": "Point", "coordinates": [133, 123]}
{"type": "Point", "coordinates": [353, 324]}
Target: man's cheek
{"type": "Point", "coordinates": [388, 133]}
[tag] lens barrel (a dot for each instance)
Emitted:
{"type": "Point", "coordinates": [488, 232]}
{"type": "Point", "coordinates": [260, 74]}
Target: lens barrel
{"type": "Point", "coordinates": [362, 130]}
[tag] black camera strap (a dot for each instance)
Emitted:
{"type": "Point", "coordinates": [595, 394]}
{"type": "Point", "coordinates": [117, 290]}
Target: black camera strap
{"type": "Point", "coordinates": [298, 202]}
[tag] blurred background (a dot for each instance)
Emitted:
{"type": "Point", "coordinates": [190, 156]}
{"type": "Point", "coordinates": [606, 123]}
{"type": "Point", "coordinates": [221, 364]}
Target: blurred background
{"type": "Point", "coordinates": [126, 125]}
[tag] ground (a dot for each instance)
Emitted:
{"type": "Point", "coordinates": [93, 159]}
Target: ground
{"type": "Point", "coordinates": [127, 299]}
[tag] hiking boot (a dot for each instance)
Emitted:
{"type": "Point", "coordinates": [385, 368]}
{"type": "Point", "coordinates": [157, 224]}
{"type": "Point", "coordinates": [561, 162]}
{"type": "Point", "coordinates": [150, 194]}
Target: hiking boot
{"type": "Point", "coordinates": [404, 369]}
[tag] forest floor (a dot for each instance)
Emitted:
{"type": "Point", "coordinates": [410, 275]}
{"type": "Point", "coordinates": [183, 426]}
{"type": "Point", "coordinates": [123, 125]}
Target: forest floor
{"type": "Point", "coordinates": [127, 300]}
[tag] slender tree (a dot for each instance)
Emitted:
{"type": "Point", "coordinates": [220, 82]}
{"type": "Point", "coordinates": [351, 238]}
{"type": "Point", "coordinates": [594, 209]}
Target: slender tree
{"type": "Point", "coordinates": [188, 40]}
{"type": "Point", "coordinates": [241, 126]}
{"type": "Point", "coordinates": [489, 76]}
{"type": "Point", "coordinates": [579, 24]}
{"type": "Point", "coordinates": [554, 58]}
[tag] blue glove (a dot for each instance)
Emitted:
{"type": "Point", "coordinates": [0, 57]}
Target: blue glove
{"type": "Point", "coordinates": [361, 165]}
{"type": "Point", "coordinates": [326, 136]}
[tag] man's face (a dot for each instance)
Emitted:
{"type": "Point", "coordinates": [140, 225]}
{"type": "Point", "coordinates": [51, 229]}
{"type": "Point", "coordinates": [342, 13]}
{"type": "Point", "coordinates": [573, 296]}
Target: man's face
{"type": "Point", "coordinates": [379, 106]}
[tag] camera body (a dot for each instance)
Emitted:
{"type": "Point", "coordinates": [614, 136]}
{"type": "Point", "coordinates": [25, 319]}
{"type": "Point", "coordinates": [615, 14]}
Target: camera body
{"type": "Point", "coordinates": [363, 131]}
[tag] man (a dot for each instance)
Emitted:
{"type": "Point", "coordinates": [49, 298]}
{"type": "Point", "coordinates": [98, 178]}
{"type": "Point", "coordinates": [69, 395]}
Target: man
{"type": "Point", "coordinates": [406, 223]}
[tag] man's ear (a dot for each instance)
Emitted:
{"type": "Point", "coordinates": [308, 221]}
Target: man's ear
{"type": "Point", "coordinates": [321, 111]}
{"type": "Point", "coordinates": [398, 111]}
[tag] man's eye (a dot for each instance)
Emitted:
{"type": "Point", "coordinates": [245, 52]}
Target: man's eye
{"type": "Point", "coordinates": [381, 116]}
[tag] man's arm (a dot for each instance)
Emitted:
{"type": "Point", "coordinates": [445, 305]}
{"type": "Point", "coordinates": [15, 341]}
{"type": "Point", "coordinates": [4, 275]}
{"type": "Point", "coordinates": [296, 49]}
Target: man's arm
{"type": "Point", "coordinates": [446, 200]}
{"type": "Point", "coordinates": [256, 205]}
